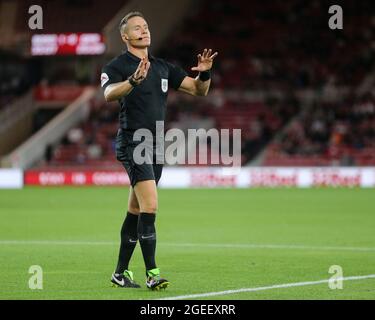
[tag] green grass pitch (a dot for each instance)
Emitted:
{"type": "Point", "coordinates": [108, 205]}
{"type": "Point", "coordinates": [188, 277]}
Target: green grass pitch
{"type": "Point", "coordinates": [209, 240]}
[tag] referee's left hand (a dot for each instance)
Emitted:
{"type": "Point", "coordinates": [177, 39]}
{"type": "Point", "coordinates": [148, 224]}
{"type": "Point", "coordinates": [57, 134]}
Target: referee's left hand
{"type": "Point", "coordinates": [205, 61]}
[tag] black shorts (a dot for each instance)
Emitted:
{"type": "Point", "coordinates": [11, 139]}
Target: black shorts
{"type": "Point", "coordinates": [124, 153]}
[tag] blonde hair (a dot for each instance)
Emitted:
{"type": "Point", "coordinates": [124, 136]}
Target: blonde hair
{"type": "Point", "coordinates": [125, 19]}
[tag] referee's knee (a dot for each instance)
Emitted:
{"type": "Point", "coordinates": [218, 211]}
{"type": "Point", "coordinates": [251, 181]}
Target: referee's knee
{"type": "Point", "coordinates": [134, 209]}
{"type": "Point", "coordinates": [150, 207]}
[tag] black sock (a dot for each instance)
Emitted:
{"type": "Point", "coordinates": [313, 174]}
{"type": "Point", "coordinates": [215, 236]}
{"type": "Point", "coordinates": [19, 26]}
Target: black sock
{"type": "Point", "coordinates": [129, 238]}
{"type": "Point", "coordinates": [147, 238]}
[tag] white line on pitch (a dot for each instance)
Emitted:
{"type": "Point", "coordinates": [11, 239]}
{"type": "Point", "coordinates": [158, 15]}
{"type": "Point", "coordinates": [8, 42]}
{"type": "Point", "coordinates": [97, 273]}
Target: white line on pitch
{"type": "Point", "coordinates": [268, 246]}
{"type": "Point", "coordinates": [255, 289]}
{"type": "Point", "coordinates": [57, 242]}
{"type": "Point", "coordinates": [195, 245]}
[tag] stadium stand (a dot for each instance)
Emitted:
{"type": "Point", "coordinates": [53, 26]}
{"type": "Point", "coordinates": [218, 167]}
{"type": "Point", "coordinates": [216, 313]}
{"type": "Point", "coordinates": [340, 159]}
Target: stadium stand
{"type": "Point", "coordinates": [67, 15]}
{"type": "Point", "coordinates": [288, 81]}
{"type": "Point", "coordinates": [328, 134]}
{"type": "Point", "coordinates": [17, 75]}
{"type": "Point", "coordinates": [19, 72]}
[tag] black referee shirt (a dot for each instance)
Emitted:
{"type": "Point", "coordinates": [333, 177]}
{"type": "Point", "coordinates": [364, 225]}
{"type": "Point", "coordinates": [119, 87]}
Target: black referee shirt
{"type": "Point", "coordinates": [146, 103]}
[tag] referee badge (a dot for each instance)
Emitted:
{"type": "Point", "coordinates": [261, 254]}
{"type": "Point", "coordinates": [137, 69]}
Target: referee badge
{"type": "Point", "coordinates": [164, 85]}
{"type": "Point", "coordinates": [103, 79]}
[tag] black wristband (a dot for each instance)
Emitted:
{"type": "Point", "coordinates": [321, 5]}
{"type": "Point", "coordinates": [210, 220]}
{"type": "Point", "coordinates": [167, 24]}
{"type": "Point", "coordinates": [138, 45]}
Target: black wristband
{"type": "Point", "coordinates": [205, 75]}
{"type": "Point", "coordinates": [133, 82]}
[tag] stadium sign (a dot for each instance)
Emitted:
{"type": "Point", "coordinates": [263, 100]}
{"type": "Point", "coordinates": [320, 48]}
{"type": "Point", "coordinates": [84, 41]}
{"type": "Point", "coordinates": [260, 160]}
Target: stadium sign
{"type": "Point", "coordinates": [11, 179]}
{"type": "Point", "coordinates": [209, 177]}
{"type": "Point", "coordinates": [77, 178]}
{"type": "Point", "coordinates": [67, 44]}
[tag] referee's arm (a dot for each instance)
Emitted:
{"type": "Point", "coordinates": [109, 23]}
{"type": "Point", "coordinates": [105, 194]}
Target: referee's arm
{"type": "Point", "coordinates": [116, 91]}
{"type": "Point", "coordinates": [201, 84]}
{"type": "Point", "coordinates": [195, 87]}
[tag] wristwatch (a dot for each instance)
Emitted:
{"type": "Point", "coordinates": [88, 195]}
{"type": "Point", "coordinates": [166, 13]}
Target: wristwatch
{"type": "Point", "coordinates": [133, 82]}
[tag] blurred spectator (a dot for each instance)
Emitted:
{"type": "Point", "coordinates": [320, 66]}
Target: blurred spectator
{"type": "Point", "coordinates": [75, 135]}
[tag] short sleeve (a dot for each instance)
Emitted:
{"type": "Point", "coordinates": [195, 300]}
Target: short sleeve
{"type": "Point", "coordinates": [110, 75]}
{"type": "Point", "coordinates": [176, 75]}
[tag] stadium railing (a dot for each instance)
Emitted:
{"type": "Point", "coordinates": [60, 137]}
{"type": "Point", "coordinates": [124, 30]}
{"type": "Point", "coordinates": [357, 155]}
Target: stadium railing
{"type": "Point", "coordinates": [33, 148]}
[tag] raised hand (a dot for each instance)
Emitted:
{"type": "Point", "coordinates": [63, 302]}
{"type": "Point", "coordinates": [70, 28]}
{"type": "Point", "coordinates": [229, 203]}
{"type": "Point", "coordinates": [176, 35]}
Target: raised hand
{"type": "Point", "coordinates": [141, 73]}
{"type": "Point", "coordinates": [205, 61]}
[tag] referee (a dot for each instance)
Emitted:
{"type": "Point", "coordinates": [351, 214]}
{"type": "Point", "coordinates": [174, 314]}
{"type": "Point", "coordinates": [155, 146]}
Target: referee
{"type": "Point", "coordinates": [140, 83]}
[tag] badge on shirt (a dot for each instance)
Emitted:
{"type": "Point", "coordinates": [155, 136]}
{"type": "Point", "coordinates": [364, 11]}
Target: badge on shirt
{"type": "Point", "coordinates": [104, 79]}
{"type": "Point", "coordinates": [164, 85]}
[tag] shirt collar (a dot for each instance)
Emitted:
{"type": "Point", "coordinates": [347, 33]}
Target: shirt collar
{"type": "Point", "coordinates": [136, 59]}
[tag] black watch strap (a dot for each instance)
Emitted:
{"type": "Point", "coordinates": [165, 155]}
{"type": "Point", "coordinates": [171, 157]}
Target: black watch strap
{"type": "Point", "coordinates": [133, 82]}
{"type": "Point", "coordinates": [205, 75]}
